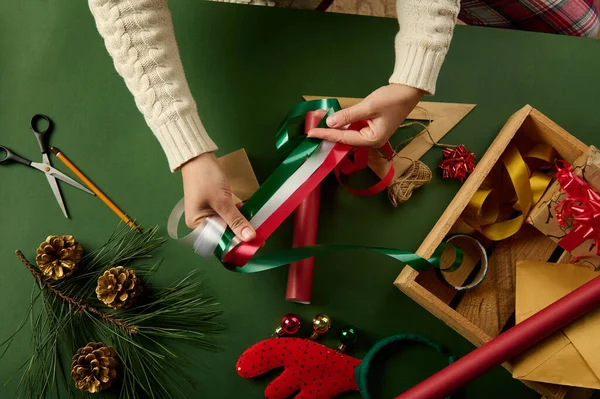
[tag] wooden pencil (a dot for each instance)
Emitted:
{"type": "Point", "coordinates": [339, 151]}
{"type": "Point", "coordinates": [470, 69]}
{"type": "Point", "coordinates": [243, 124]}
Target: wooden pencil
{"type": "Point", "coordinates": [95, 189]}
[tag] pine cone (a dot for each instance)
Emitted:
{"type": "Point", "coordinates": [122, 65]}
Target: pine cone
{"type": "Point", "coordinates": [58, 256]}
{"type": "Point", "coordinates": [94, 367]}
{"type": "Point", "coordinates": [119, 287]}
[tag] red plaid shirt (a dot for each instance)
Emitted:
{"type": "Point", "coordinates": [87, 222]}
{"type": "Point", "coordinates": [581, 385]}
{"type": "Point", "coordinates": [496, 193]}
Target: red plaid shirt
{"type": "Point", "coordinates": [567, 17]}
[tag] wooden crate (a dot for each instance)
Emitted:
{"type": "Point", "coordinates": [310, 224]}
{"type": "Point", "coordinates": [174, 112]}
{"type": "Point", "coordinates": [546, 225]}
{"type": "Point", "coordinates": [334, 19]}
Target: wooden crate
{"type": "Point", "coordinates": [482, 313]}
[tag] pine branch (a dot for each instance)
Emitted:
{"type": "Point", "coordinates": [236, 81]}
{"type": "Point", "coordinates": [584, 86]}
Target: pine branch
{"type": "Point", "coordinates": [78, 304]}
{"type": "Point", "coordinates": [68, 317]}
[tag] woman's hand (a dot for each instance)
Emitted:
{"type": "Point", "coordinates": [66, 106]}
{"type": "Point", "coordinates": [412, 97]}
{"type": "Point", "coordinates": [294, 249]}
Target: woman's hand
{"type": "Point", "coordinates": [207, 192]}
{"type": "Point", "coordinates": [385, 109]}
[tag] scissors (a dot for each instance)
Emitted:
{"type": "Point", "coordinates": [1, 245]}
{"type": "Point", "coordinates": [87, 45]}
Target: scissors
{"type": "Point", "coordinates": [51, 173]}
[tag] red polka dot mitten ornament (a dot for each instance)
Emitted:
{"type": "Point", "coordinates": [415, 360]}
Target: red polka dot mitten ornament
{"type": "Point", "coordinates": [311, 369]}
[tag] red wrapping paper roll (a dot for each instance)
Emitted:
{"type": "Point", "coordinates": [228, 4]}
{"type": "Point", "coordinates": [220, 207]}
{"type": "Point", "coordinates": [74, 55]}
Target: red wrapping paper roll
{"type": "Point", "coordinates": [306, 224]}
{"type": "Point", "coordinates": [508, 344]}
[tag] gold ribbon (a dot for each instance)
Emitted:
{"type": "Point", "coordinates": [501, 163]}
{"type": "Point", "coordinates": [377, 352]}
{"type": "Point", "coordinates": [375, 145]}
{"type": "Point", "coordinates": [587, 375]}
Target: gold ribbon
{"type": "Point", "coordinates": [487, 213]}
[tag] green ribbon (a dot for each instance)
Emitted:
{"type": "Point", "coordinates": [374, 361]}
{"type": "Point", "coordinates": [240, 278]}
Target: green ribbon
{"type": "Point", "coordinates": [296, 146]}
{"type": "Point", "coordinates": [283, 258]}
{"type": "Point", "coordinates": [286, 140]}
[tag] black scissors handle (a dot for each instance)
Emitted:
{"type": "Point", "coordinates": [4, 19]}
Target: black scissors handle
{"type": "Point", "coordinates": [10, 156]}
{"type": "Point", "coordinates": [41, 135]}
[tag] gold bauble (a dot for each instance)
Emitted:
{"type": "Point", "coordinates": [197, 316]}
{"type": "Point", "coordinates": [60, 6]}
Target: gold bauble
{"type": "Point", "coordinates": [321, 324]}
{"type": "Point", "coordinates": [94, 367]}
{"type": "Point", "coordinates": [58, 256]}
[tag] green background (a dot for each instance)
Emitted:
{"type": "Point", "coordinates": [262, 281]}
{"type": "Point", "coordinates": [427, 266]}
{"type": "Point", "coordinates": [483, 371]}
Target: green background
{"type": "Point", "coordinates": [246, 67]}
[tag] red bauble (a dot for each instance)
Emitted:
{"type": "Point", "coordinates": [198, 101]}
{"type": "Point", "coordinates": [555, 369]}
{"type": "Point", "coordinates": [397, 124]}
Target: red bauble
{"type": "Point", "coordinates": [458, 163]}
{"type": "Point", "coordinates": [290, 324]}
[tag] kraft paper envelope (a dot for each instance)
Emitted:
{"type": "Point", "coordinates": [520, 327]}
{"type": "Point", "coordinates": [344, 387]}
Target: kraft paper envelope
{"type": "Point", "coordinates": [238, 170]}
{"type": "Point", "coordinates": [570, 356]}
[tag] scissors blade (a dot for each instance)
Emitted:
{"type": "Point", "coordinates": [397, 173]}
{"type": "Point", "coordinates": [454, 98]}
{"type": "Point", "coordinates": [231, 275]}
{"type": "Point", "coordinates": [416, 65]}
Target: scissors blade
{"type": "Point", "coordinates": [54, 185]}
{"type": "Point", "coordinates": [55, 173]}
{"type": "Point", "coordinates": [57, 195]}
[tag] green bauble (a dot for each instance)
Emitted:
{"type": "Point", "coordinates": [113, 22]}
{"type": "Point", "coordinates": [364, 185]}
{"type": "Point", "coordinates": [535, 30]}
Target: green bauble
{"type": "Point", "coordinates": [349, 335]}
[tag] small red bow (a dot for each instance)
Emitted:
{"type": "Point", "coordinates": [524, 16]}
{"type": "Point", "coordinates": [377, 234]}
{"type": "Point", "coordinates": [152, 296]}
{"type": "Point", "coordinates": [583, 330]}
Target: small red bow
{"type": "Point", "coordinates": [581, 206]}
{"type": "Point", "coordinates": [458, 163]}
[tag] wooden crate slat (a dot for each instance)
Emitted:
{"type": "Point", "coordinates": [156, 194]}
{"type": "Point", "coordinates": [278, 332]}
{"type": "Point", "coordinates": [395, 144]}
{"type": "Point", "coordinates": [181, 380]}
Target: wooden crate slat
{"type": "Point", "coordinates": [432, 283]}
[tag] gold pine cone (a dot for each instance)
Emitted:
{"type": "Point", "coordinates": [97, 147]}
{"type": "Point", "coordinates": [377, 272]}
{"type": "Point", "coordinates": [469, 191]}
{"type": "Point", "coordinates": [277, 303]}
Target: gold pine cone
{"type": "Point", "coordinates": [119, 287]}
{"type": "Point", "coordinates": [94, 367]}
{"type": "Point", "coordinates": [58, 256]}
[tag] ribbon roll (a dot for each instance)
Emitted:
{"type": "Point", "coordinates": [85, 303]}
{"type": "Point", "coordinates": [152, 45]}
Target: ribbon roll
{"type": "Point", "coordinates": [482, 268]}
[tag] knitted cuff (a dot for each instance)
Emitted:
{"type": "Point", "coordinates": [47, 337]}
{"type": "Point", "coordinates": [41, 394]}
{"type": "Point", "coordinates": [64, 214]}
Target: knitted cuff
{"type": "Point", "coordinates": [417, 67]}
{"type": "Point", "coordinates": [183, 139]}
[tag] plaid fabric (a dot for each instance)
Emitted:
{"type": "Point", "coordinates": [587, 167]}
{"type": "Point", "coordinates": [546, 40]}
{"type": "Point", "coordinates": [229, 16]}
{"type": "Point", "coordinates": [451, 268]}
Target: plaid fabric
{"type": "Point", "coordinates": [567, 17]}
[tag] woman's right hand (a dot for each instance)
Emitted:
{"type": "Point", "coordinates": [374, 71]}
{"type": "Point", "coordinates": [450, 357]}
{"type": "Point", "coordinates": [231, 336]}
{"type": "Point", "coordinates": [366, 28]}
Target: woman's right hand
{"type": "Point", "coordinates": [207, 192]}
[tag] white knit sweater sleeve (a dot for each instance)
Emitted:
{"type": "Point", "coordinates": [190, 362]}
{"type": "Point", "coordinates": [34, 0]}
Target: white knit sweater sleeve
{"type": "Point", "coordinates": [139, 36]}
{"type": "Point", "coordinates": [426, 28]}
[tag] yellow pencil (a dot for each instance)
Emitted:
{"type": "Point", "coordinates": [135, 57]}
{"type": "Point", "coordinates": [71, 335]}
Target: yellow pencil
{"type": "Point", "coordinates": [95, 189]}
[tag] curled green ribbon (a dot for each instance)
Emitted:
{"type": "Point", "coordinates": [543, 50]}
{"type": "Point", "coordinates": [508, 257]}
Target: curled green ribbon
{"type": "Point", "coordinates": [283, 258]}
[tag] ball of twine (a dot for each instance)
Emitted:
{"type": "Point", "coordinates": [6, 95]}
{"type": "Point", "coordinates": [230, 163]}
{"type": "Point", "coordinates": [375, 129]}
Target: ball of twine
{"type": "Point", "coordinates": [401, 189]}
{"type": "Point", "coordinates": [418, 174]}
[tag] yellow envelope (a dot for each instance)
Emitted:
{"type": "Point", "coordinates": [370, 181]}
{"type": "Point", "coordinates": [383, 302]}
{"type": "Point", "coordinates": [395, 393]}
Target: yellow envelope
{"type": "Point", "coordinates": [570, 356]}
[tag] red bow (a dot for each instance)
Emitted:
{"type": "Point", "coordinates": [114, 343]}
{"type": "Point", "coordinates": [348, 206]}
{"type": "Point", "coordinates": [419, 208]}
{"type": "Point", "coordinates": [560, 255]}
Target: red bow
{"type": "Point", "coordinates": [581, 206]}
{"type": "Point", "coordinates": [458, 163]}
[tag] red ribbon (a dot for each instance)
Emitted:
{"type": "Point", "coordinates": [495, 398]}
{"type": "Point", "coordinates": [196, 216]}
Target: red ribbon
{"type": "Point", "coordinates": [360, 160]}
{"type": "Point", "coordinates": [581, 206]}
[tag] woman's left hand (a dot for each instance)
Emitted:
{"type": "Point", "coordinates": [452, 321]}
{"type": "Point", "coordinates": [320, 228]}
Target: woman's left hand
{"type": "Point", "coordinates": [384, 110]}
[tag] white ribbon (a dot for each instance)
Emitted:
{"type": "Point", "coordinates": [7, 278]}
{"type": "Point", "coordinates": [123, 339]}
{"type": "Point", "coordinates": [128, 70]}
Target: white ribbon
{"type": "Point", "coordinates": [292, 184]}
{"type": "Point", "coordinates": [205, 238]}
{"type": "Point", "coordinates": [202, 239]}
